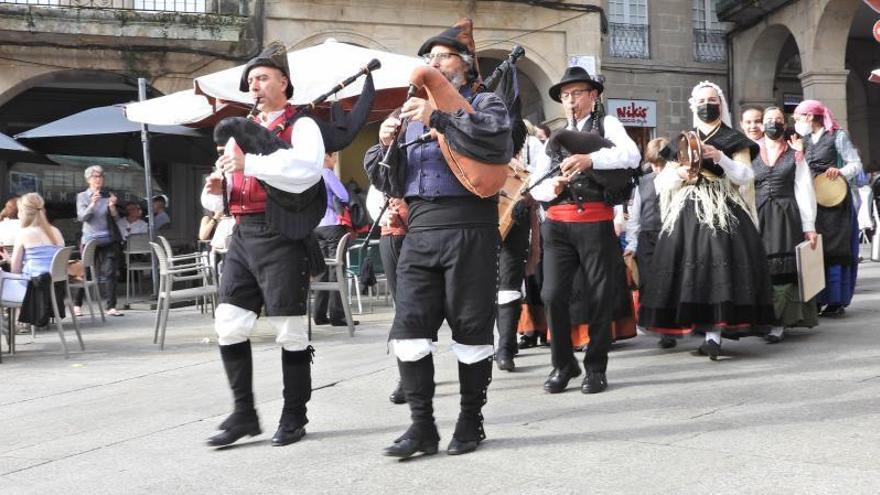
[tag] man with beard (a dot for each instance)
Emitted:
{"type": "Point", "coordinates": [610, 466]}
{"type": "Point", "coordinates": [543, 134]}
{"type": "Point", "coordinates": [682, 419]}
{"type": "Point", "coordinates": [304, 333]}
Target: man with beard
{"type": "Point", "coordinates": [449, 259]}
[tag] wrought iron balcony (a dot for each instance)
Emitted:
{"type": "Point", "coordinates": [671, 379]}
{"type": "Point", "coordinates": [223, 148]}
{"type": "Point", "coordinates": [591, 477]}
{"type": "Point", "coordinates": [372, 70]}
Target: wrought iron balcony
{"type": "Point", "coordinates": [235, 7]}
{"type": "Point", "coordinates": [629, 40]}
{"type": "Point", "coordinates": [204, 26]}
{"type": "Point", "coordinates": [710, 46]}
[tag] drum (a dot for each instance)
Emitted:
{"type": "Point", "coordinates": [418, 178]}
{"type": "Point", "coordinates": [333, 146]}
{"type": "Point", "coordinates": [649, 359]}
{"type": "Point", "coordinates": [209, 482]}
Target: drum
{"type": "Point", "coordinates": [690, 152]}
{"type": "Point", "coordinates": [830, 192]}
{"type": "Point", "coordinates": [509, 196]}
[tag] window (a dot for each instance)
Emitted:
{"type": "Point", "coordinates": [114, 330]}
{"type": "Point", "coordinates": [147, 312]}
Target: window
{"type": "Point", "coordinates": [710, 40]}
{"type": "Point", "coordinates": [628, 28]}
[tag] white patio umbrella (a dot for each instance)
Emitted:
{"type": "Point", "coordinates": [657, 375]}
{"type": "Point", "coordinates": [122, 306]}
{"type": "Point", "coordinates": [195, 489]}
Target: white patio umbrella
{"type": "Point", "coordinates": [313, 70]}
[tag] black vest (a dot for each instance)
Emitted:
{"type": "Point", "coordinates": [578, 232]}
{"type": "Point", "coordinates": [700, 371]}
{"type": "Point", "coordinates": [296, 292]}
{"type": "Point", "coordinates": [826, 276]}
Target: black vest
{"type": "Point", "coordinates": [649, 213]}
{"type": "Point", "coordinates": [729, 141]}
{"type": "Point", "coordinates": [581, 189]}
{"type": "Point", "coordinates": [822, 154]}
{"type": "Point", "coordinates": [776, 181]}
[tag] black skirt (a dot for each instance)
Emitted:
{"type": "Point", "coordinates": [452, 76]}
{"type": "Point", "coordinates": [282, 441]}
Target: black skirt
{"type": "Point", "coordinates": [835, 225]}
{"type": "Point", "coordinates": [779, 221]}
{"type": "Point", "coordinates": [704, 279]}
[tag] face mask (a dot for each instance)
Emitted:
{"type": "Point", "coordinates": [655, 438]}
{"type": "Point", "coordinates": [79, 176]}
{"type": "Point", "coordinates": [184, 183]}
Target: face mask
{"type": "Point", "coordinates": [709, 112]}
{"type": "Point", "coordinates": [773, 130]}
{"type": "Point", "coordinates": [803, 128]}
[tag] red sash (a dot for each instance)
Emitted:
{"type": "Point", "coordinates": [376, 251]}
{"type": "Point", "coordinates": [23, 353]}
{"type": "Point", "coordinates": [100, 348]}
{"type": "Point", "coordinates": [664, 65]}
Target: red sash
{"type": "Point", "coordinates": [593, 211]}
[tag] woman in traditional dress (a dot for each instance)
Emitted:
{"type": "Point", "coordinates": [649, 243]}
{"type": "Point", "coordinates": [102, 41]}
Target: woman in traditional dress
{"type": "Point", "coordinates": [709, 273]}
{"type": "Point", "coordinates": [829, 151]}
{"type": "Point", "coordinates": [786, 216]}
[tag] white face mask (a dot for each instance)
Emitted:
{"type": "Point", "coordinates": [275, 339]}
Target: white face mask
{"type": "Point", "coordinates": [803, 128]}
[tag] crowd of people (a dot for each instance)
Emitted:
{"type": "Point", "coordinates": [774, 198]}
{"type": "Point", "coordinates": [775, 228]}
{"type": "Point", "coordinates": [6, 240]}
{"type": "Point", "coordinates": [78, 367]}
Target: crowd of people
{"type": "Point", "coordinates": [29, 241]}
{"type": "Point", "coordinates": [708, 243]}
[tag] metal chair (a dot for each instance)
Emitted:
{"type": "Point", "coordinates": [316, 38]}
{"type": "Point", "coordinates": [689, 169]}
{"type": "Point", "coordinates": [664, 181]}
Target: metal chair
{"type": "Point", "coordinates": [197, 259]}
{"type": "Point", "coordinates": [340, 285]}
{"type": "Point", "coordinates": [90, 280]}
{"type": "Point", "coordinates": [136, 246]}
{"type": "Point", "coordinates": [168, 275]}
{"type": "Point", "coordinates": [12, 306]}
{"type": "Point", "coordinates": [58, 271]}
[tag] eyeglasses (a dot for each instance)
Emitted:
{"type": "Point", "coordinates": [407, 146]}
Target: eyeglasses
{"type": "Point", "coordinates": [429, 57]}
{"type": "Point", "coordinates": [573, 94]}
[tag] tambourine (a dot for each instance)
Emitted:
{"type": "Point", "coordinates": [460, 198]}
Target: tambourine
{"type": "Point", "coordinates": [690, 152]}
{"type": "Point", "coordinates": [830, 192]}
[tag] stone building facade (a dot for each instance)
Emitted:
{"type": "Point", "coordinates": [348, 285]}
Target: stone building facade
{"type": "Point", "coordinates": [654, 54]}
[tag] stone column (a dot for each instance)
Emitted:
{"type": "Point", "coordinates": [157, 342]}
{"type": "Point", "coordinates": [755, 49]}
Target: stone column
{"type": "Point", "coordinates": [829, 87]}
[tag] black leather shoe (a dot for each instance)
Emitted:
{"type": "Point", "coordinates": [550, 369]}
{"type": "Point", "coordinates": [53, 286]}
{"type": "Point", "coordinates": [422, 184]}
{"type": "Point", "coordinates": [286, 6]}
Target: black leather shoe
{"type": "Point", "coordinates": [710, 348]}
{"type": "Point", "coordinates": [528, 341]}
{"type": "Point", "coordinates": [667, 342]}
{"type": "Point", "coordinates": [411, 446]}
{"type": "Point", "coordinates": [286, 435]}
{"type": "Point", "coordinates": [832, 310]}
{"type": "Point", "coordinates": [321, 320]}
{"type": "Point", "coordinates": [594, 382]}
{"type": "Point", "coordinates": [398, 396]}
{"type": "Point", "coordinates": [458, 447]}
{"type": "Point", "coordinates": [343, 323]}
{"type": "Point", "coordinates": [559, 378]}
{"type": "Point", "coordinates": [505, 364]}
{"type": "Point", "coordinates": [234, 433]}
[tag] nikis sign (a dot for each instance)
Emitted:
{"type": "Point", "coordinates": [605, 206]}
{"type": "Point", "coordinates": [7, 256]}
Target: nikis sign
{"type": "Point", "coordinates": [633, 113]}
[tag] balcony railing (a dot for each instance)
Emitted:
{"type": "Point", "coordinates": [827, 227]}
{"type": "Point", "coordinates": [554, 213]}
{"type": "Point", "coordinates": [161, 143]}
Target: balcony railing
{"type": "Point", "coordinates": [710, 46]}
{"type": "Point", "coordinates": [628, 40]}
{"type": "Point", "coordinates": [226, 7]}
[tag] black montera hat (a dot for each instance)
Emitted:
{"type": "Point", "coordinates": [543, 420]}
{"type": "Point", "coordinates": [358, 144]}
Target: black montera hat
{"type": "Point", "coordinates": [572, 75]}
{"type": "Point", "coordinates": [275, 56]}
{"type": "Point", "coordinates": [459, 37]}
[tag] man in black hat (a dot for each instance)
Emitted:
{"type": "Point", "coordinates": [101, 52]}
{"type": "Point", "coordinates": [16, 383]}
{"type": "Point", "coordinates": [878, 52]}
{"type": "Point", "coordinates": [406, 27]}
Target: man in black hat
{"type": "Point", "coordinates": [448, 262]}
{"type": "Point", "coordinates": [267, 267]}
{"type": "Point", "coordinates": [578, 236]}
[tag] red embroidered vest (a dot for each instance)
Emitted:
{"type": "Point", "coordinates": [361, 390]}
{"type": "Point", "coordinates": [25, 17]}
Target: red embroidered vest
{"type": "Point", "coordinates": [246, 195]}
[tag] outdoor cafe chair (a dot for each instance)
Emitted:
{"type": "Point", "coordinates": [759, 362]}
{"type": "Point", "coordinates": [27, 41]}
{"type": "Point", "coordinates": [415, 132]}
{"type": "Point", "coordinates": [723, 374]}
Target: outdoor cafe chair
{"type": "Point", "coordinates": [89, 283]}
{"type": "Point", "coordinates": [168, 295]}
{"type": "Point", "coordinates": [136, 246]}
{"type": "Point", "coordinates": [340, 285]}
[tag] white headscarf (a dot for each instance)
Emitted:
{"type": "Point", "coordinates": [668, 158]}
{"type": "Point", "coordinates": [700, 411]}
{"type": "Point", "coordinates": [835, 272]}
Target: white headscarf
{"type": "Point", "coordinates": [725, 110]}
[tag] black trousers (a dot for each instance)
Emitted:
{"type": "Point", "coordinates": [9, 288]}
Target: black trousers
{"type": "Point", "coordinates": [328, 238]}
{"type": "Point", "coordinates": [589, 248]}
{"type": "Point", "coordinates": [448, 273]}
{"type": "Point", "coordinates": [107, 271]}
{"type": "Point", "coordinates": [264, 268]}
{"type": "Point", "coordinates": [513, 257]}
{"type": "Point", "coordinates": [389, 251]}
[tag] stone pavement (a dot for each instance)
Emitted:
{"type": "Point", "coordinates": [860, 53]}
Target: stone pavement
{"type": "Point", "coordinates": [801, 417]}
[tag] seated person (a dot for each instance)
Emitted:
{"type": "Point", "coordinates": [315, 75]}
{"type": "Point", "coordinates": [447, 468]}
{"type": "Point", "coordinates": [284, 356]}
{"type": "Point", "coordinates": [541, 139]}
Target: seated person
{"type": "Point", "coordinates": [133, 221]}
{"type": "Point", "coordinates": [160, 218]}
{"type": "Point", "coordinates": [35, 246]}
{"type": "Point", "coordinates": [9, 222]}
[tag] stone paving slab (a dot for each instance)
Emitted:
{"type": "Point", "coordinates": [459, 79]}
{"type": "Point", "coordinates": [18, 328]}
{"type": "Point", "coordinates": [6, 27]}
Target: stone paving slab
{"type": "Point", "coordinates": [800, 417]}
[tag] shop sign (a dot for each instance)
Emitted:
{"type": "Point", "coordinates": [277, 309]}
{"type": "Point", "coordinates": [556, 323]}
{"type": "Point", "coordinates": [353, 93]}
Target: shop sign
{"type": "Point", "coordinates": [633, 113]}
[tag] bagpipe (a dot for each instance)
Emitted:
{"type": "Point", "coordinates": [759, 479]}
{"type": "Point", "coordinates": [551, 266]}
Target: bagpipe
{"type": "Point", "coordinates": [296, 215]}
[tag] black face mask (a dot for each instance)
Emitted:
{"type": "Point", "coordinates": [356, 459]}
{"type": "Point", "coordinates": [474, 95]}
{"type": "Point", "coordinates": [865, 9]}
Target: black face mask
{"type": "Point", "coordinates": [774, 130]}
{"type": "Point", "coordinates": [709, 112]}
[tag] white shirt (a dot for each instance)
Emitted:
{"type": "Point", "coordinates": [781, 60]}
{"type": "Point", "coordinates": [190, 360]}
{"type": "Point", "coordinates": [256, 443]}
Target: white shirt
{"type": "Point", "coordinates": [9, 229]}
{"type": "Point", "coordinates": [624, 154]}
{"type": "Point", "coordinates": [293, 170]}
{"type": "Point", "coordinates": [127, 228]}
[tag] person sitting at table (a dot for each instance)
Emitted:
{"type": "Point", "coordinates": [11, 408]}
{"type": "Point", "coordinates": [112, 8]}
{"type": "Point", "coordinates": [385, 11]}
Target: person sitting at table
{"type": "Point", "coordinates": [133, 221]}
{"type": "Point", "coordinates": [35, 246]}
{"type": "Point", "coordinates": [9, 222]}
